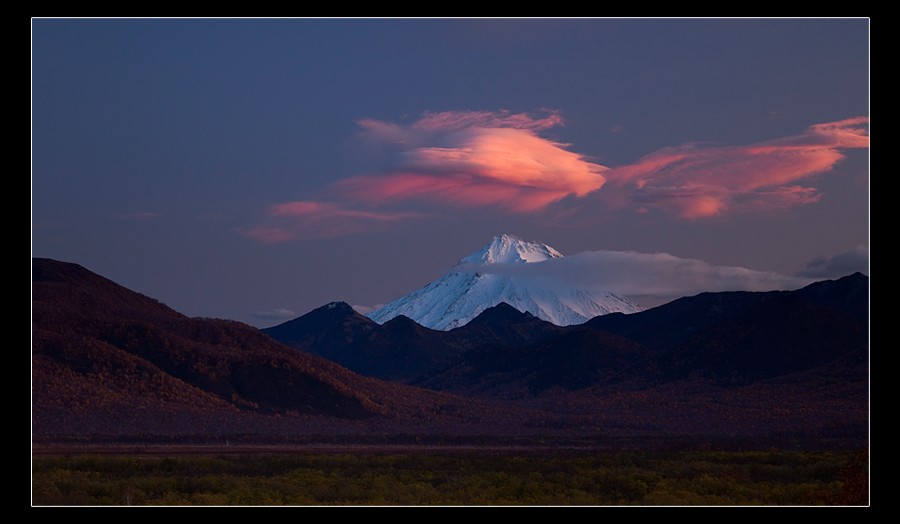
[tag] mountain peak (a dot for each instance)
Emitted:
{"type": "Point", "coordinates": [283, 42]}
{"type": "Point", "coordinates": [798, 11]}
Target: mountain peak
{"type": "Point", "coordinates": [341, 307]}
{"type": "Point", "coordinates": [507, 249]}
{"type": "Point", "coordinates": [468, 289]}
{"type": "Point", "coordinates": [502, 313]}
{"type": "Point", "coordinates": [332, 314]}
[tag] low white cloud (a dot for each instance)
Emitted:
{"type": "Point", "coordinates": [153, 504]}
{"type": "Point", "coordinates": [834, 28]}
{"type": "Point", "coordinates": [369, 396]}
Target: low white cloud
{"type": "Point", "coordinates": [656, 275]}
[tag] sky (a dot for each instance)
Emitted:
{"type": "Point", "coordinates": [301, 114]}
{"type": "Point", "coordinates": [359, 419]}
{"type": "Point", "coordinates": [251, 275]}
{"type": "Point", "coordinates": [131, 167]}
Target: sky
{"type": "Point", "coordinates": [256, 169]}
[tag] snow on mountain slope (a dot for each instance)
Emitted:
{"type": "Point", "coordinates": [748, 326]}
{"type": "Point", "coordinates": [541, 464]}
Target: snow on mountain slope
{"type": "Point", "coordinates": [473, 286]}
{"type": "Point", "coordinates": [506, 249]}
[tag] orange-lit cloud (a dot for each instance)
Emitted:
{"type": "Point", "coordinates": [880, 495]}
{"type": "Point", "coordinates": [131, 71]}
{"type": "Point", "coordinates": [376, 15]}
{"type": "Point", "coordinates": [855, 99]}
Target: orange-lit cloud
{"type": "Point", "coordinates": [457, 159]}
{"type": "Point", "coordinates": [473, 158]}
{"type": "Point", "coordinates": [468, 159]}
{"type": "Point", "coordinates": [693, 181]}
{"type": "Point", "coordinates": [508, 167]}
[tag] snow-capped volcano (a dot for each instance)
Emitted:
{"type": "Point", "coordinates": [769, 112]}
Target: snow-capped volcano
{"type": "Point", "coordinates": [506, 249]}
{"type": "Point", "coordinates": [478, 282]}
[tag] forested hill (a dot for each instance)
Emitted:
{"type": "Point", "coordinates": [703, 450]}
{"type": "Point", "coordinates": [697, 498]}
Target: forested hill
{"type": "Point", "coordinates": [109, 360]}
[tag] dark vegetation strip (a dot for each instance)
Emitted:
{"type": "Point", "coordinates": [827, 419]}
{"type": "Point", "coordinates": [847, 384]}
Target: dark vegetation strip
{"type": "Point", "coordinates": [703, 477]}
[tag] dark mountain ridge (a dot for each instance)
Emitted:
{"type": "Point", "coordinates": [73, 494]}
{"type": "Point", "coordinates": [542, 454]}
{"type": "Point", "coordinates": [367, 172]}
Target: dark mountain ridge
{"type": "Point", "coordinates": [755, 335]}
{"type": "Point", "coordinates": [80, 321]}
{"type": "Point", "coordinates": [400, 349]}
{"type": "Point", "coordinates": [576, 359]}
{"type": "Point", "coordinates": [109, 360]}
{"type": "Point", "coordinates": [325, 331]}
{"type": "Point", "coordinates": [106, 360]}
{"type": "Point", "coordinates": [783, 335]}
{"type": "Point", "coordinates": [671, 324]}
{"type": "Point", "coordinates": [730, 338]}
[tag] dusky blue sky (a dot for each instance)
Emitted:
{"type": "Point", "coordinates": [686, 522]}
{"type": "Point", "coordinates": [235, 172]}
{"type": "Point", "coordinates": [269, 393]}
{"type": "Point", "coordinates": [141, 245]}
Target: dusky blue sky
{"type": "Point", "coordinates": [257, 169]}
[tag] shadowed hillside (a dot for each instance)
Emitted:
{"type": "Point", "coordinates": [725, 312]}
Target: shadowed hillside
{"type": "Point", "coordinates": [401, 350]}
{"type": "Point", "coordinates": [108, 360]}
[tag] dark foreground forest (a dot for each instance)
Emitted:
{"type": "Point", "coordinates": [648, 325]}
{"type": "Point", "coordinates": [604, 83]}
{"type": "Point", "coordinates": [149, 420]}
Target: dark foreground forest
{"type": "Point", "coordinates": [456, 478]}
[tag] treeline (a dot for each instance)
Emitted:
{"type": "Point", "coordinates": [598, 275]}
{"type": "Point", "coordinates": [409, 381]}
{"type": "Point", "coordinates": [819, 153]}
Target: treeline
{"type": "Point", "coordinates": [623, 478]}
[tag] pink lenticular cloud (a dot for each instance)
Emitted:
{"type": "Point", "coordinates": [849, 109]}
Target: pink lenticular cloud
{"type": "Point", "coordinates": [458, 190]}
{"type": "Point", "coordinates": [476, 159]}
{"type": "Point", "coordinates": [468, 159]}
{"type": "Point", "coordinates": [693, 181]}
